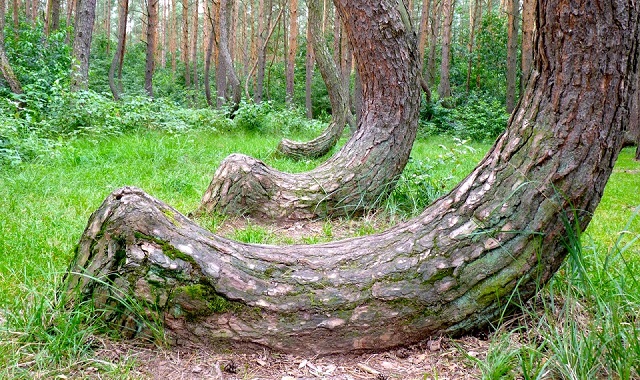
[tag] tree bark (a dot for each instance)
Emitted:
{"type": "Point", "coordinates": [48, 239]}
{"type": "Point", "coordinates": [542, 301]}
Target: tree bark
{"type": "Point", "coordinates": [293, 50]}
{"type": "Point", "coordinates": [528, 28]}
{"type": "Point", "coordinates": [451, 270]}
{"type": "Point", "coordinates": [185, 42]}
{"type": "Point", "coordinates": [53, 17]}
{"type": "Point", "coordinates": [208, 55]}
{"type": "Point", "coordinates": [83, 32]}
{"type": "Point", "coordinates": [475, 12]}
{"type": "Point", "coordinates": [338, 96]}
{"type": "Point", "coordinates": [262, 47]}
{"type": "Point", "coordinates": [5, 67]}
{"type": "Point", "coordinates": [422, 36]}
{"type": "Point", "coordinates": [226, 7]}
{"type": "Point", "coordinates": [309, 66]}
{"type": "Point", "coordinates": [194, 47]}
{"type": "Point", "coordinates": [513, 14]}
{"type": "Point", "coordinates": [116, 63]}
{"type": "Point", "coordinates": [444, 88]}
{"type": "Point", "coordinates": [433, 39]}
{"type": "Point", "coordinates": [152, 32]}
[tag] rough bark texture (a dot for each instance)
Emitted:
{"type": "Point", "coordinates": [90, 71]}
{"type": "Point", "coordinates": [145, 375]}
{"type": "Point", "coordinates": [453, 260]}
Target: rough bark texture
{"type": "Point", "coordinates": [226, 7]}
{"type": "Point", "coordinates": [444, 87]}
{"type": "Point", "coordinates": [83, 32]}
{"type": "Point", "coordinates": [185, 42]}
{"type": "Point", "coordinates": [448, 271]}
{"type": "Point", "coordinates": [152, 35]}
{"type": "Point", "coordinates": [513, 15]}
{"type": "Point", "coordinates": [338, 96]}
{"type": "Point", "coordinates": [364, 171]}
{"type": "Point", "coordinates": [528, 28]}
{"type": "Point", "coordinates": [116, 63]}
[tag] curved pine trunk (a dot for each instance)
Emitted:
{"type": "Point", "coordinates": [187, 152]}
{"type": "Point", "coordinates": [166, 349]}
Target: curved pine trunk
{"type": "Point", "coordinates": [364, 171]}
{"type": "Point", "coordinates": [338, 96]}
{"type": "Point", "coordinates": [450, 270]}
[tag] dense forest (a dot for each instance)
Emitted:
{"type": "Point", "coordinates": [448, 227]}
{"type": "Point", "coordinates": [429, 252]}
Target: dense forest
{"type": "Point", "coordinates": [64, 63]}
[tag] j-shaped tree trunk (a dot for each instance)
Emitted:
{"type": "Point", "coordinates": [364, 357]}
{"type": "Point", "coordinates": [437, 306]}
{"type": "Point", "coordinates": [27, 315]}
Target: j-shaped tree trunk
{"type": "Point", "coordinates": [450, 270]}
{"type": "Point", "coordinates": [364, 171]}
{"type": "Point", "coordinates": [338, 95]}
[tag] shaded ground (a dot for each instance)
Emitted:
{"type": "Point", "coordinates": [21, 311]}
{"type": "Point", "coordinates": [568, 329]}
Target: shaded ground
{"type": "Point", "coordinates": [435, 359]}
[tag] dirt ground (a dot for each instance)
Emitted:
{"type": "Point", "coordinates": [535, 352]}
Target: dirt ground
{"type": "Point", "coordinates": [441, 359]}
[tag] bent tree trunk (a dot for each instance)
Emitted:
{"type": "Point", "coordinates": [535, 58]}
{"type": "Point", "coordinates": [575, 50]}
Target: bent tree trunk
{"type": "Point", "coordinates": [448, 271]}
{"type": "Point", "coordinates": [338, 95]}
{"type": "Point", "coordinates": [364, 171]}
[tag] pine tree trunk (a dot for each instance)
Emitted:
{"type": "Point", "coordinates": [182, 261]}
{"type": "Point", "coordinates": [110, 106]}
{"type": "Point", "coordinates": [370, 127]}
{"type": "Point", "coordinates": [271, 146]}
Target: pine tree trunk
{"type": "Point", "coordinates": [513, 15]}
{"type": "Point", "coordinates": [528, 16]}
{"type": "Point", "coordinates": [227, 71]}
{"type": "Point", "coordinates": [262, 49]}
{"type": "Point", "coordinates": [444, 88]}
{"type": "Point", "coordinates": [308, 101]}
{"type": "Point", "coordinates": [422, 36]}
{"type": "Point", "coordinates": [194, 46]}
{"type": "Point", "coordinates": [173, 37]}
{"type": "Point", "coordinates": [293, 49]}
{"type": "Point", "coordinates": [451, 270]}
{"type": "Point", "coordinates": [338, 96]}
{"type": "Point", "coordinates": [475, 11]}
{"type": "Point", "coordinates": [208, 54]}
{"type": "Point", "coordinates": [152, 32]}
{"type": "Point", "coordinates": [83, 32]}
{"type": "Point", "coordinates": [433, 39]}
{"type": "Point", "coordinates": [185, 43]}
{"type": "Point", "coordinates": [52, 22]}
{"type": "Point", "coordinates": [116, 63]}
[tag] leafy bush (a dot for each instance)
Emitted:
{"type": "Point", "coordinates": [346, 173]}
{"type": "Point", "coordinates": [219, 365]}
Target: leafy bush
{"type": "Point", "coordinates": [478, 117]}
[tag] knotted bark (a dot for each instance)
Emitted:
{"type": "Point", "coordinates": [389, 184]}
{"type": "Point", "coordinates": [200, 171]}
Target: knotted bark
{"type": "Point", "coordinates": [451, 270]}
{"type": "Point", "coordinates": [365, 170]}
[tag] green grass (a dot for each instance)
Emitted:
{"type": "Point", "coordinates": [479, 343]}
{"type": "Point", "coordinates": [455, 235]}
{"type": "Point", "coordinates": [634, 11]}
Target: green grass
{"type": "Point", "coordinates": [45, 204]}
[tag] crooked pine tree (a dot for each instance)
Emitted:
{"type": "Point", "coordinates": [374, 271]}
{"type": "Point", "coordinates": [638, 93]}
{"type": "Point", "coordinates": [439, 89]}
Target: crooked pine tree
{"type": "Point", "coordinates": [365, 170]}
{"type": "Point", "coordinates": [450, 270]}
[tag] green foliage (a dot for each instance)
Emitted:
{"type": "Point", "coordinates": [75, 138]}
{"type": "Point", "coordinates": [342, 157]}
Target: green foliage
{"type": "Point", "coordinates": [491, 51]}
{"type": "Point", "coordinates": [476, 116]}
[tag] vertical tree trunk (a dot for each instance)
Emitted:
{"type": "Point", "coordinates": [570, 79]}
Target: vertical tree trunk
{"type": "Point", "coordinates": [309, 72]}
{"type": "Point", "coordinates": [211, 35]}
{"type": "Point", "coordinates": [173, 37]}
{"type": "Point", "coordinates": [194, 46]}
{"type": "Point", "coordinates": [444, 88]}
{"type": "Point", "coordinates": [293, 49]}
{"type": "Point", "coordinates": [107, 25]}
{"type": "Point", "coordinates": [83, 32]}
{"type": "Point", "coordinates": [116, 63]}
{"type": "Point", "coordinates": [262, 48]}
{"type": "Point", "coordinates": [528, 26]}
{"type": "Point", "coordinates": [433, 39]}
{"type": "Point", "coordinates": [422, 36]}
{"type": "Point", "coordinates": [227, 71]}
{"type": "Point", "coordinates": [475, 12]}
{"type": "Point", "coordinates": [52, 22]}
{"type": "Point", "coordinates": [451, 270]}
{"type": "Point", "coordinates": [5, 67]}
{"type": "Point", "coordinates": [164, 29]}
{"type": "Point", "coordinates": [152, 35]}
{"type": "Point", "coordinates": [15, 15]}
{"type": "Point", "coordinates": [185, 43]}
{"type": "Point", "coordinates": [512, 52]}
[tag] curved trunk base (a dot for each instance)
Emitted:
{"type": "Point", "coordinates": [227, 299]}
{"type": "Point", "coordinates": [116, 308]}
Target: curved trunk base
{"type": "Point", "coordinates": [315, 148]}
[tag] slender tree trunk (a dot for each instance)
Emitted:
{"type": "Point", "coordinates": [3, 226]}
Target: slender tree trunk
{"type": "Point", "coordinates": [152, 35]}
{"type": "Point", "coordinates": [422, 36]}
{"type": "Point", "coordinates": [293, 49]}
{"type": "Point", "coordinates": [309, 72]}
{"type": "Point", "coordinates": [185, 42]}
{"type": "Point", "coordinates": [83, 32]}
{"type": "Point", "coordinates": [15, 12]}
{"type": "Point", "coordinates": [262, 48]}
{"type": "Point", "coordinates": [52, 22]}
{"type": "Point", "coordinates": [528, 27]}
{"type": "Point", "coordinates": [211, 35]}
{"type": "Point", "coordinates": [351, 181]}
{"type": "Point", "coordinates": [451, 270]}
{"type": "Point", "coordinates": [194, 46]}
{"type": "Point", "coordinates": [173, 37]}
{"type": "Point", "coordinates": [433, 39]}
{"type": "Point", "coordinates": [475, 12]}
{"type": "Point", "coordinates": [227, 71]}
{"type": "Point", "coordinates": [512, 53]}
{"type": "Point", "coordinates": [338, 96]}
{"type": "Point", "coordinates": [107, 25]}
{"type": "Point", "coordinates": [444, 88]}
{"type": "Point", "coordinates": [5, 67]}
{"type": "Point", "coordinates": [116, 63]}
